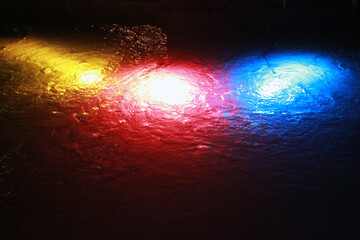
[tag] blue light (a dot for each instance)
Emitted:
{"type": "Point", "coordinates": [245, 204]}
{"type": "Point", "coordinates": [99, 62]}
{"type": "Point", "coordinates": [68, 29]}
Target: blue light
{"type": "Point", "coordinates": [289, 83]}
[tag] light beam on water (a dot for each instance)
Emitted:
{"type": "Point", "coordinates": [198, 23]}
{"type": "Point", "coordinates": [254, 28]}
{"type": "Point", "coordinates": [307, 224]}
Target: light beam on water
{"type": "Point", "coordinates": [67, 69]}
{"type": "Point", "coordinates": [289, 82]}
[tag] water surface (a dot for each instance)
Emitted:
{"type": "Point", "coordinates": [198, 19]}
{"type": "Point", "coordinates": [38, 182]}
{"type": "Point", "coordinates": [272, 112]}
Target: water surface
{"type": "Point", "coordinates": [257, 144]}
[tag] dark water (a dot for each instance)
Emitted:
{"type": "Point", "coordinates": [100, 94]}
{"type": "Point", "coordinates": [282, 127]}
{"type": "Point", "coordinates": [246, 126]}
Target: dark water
{"type": "Point", "coordinates": [255, 144]}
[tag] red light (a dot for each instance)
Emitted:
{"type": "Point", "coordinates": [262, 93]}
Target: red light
{"type": "Point", "coordinates": [180, 90]}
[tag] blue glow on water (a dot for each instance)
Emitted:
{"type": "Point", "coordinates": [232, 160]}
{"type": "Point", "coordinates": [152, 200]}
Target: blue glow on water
{"type": "Point", "coordinates": [290, 82]}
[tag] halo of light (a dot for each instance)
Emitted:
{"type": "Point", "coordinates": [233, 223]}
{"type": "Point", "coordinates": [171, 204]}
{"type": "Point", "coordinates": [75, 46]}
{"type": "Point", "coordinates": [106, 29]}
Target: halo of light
{"type": "Point", "coordinates": [68, 70]}
{"type": "Point", "coordinates": [292, 82]}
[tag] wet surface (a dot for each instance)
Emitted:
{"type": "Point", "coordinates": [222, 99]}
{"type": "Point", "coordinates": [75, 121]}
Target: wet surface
{"type": "Point", "coordinates": [259, 144]}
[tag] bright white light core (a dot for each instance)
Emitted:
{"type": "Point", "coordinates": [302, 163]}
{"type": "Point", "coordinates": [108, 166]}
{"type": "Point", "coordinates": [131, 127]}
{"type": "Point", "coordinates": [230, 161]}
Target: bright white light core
{"type": "Point", "coordinates": [167, 88]}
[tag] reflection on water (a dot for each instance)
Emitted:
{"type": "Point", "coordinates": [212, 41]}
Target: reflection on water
{"type": "Point", "coordinates": [71, 70]}
{"type": "Point", "coordinates": [177, 147]}
{"type": "Point", "coordinates": [292, 81]}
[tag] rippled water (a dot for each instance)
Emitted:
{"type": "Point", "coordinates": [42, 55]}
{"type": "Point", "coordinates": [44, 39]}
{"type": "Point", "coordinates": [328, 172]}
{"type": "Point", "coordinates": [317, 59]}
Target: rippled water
{"type": "Point", "coordinates": [256, 144]}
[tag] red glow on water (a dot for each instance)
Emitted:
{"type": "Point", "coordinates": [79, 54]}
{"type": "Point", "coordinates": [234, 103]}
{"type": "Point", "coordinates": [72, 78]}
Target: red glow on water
{"type": "Point", "coordinates": [178, 90]}
{"type": "Point", "coordinates": [165, 107]}
{"type": "Point", "coordinates": [160, 87]}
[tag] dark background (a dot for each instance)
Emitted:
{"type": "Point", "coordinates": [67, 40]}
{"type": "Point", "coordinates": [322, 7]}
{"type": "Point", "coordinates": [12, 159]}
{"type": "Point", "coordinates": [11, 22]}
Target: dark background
{"type": "Point", "coordinates": [206, 24]}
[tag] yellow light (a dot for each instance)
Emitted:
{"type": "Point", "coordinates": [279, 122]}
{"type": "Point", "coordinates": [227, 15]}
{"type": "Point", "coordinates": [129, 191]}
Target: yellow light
{"type": "Point", "coordinates": [69, 67]}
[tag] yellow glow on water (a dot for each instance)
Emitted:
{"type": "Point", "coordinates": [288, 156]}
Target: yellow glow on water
{"type": "Point", "coordinates": [69, 67]}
